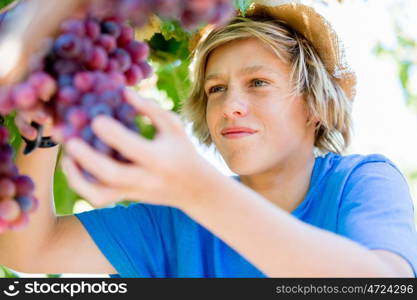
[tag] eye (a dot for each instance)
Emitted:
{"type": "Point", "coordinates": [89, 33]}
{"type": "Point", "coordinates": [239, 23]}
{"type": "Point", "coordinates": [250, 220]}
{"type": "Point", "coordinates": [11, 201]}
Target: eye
{"type": "Point", "coordinates": [258, 82]}
{"type": "Point", "coordinates": [214, 89]}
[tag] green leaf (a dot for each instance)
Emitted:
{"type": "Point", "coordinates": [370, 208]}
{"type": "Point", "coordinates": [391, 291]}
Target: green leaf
{"type": "Point", "coordinates": [4, 3]}
{"type": "Point", "coordinates": [173, 30]}
{"type": "Point", "coordinates": [64, 196]}
{"type": "Point", "coordinates": [404, 74]}
{"type": "Point", "coordinates": [174, 80]}
{"type": "Point", "coordinates": [167, 51]}
{"type": "Point", "coordinates": [15, 137]}
{"type": "Point", "coordinates": [242, 5]}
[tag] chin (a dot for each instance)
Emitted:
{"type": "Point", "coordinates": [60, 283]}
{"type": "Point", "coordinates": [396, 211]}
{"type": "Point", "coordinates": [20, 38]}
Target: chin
{"type": "Point", "coordinates": [244, 166]}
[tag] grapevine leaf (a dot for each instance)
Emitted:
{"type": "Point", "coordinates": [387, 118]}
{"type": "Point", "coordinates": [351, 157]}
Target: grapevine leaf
{"type": "Point", "coordinates": [242, 5]}
{"type": "Point", "coordinates": [174, 80]}
{"type": "Point", "coordinates": [173, 30]}
{"type": "Point", "coordinates": [64, 196]}
{"type": "Point", "coordinates": [4, 3]}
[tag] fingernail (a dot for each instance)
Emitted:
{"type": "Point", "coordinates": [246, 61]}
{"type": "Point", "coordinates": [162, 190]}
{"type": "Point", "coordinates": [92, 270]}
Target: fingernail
{"type": "Point", "coordinates": [31, 133]}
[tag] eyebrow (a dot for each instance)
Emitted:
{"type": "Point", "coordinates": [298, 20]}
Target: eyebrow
{"type": "Point", "coordinates": [246, 70]}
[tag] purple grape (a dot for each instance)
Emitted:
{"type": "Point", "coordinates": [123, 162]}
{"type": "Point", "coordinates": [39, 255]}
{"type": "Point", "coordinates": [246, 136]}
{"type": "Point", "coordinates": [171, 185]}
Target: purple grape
{"type": "Point", "coordinates": [27, 203]}
{"type": "Point", "coordinates": [24, 96]}
{"type": "Point", "coordinates": [88, 100]}
{"type": "Point", "coordinates": [68, 95]}
{"type": "Point", "coordinates": [69, 132]}
{"type": "Point", "coordinates": [4, 135]}
{"type": "Point", "coordinates": [146, 69]}
{"type": "Point", "coordinates": [99, 109]}
{"type": "Point", "coordinates": [108, 42]}
{"type": "Point", "coordinates": [126, 112]}
{"type": "Point", "coordinates": [134, 75]}
{"type": "Point", "coordinates": [111, 28]}
{"type": "Point", "coordinates": [102, 147]}
{"type": "Point", "coordinates": [87, 134]}
{"type": "Point", "coordinates": [6, 101]}
{"type": "Point", "coordinates": [7, 188]}
{"type": "Point", "coordinates": [66, 67]}
{"type": "Point", "coordinates": [24, 186]}
{"type": "Point", "coordinates": [138, 51]}
{"type": "Point", "coordinates": [92, 29]}
{"type": "Point", "coordinates": [111, 98]}
{"type": "Point", "coordinates": [68, 46]}
{"type": "Point", "coordinates": [127, 34]}
{"type": "Point", "coordinates": [77, 117]}
{"type": "Point", "coordinates": [64, 80]}
{"type": "Point", "coordinates": [84, 81]}
{"type": "Point", "coordinates": [123, 58]}
{"type": "Point", "coordinates": [9, 210]}
{"type": "Point", "coordinates": [8, 169]}
{"type": "Point", "coordinates": [99, 59]}
{"type": "Point", "coordinates": [87, 51]}
{"type": "Point", "coordinates": [44, 84]}
{"type": "Point", "coordinates": [117, 78]}
{"type": "Point", "coordinates": [112, 66]}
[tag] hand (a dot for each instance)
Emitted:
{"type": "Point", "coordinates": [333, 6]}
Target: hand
{"type": "Point", "coordinates": [24, 118]}
{"type": "Point", "coordinates": [163, 171]}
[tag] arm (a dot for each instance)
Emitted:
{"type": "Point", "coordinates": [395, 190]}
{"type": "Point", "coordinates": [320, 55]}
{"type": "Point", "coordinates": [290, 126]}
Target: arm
{"type": "Point", "coordinates": [48, 243]}
{"type": "Point", "coordinates": [279, 244]}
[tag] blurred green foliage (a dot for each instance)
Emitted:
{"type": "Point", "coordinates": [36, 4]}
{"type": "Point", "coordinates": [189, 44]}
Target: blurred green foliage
{"type": "Point", "coordinates": [404, 54]}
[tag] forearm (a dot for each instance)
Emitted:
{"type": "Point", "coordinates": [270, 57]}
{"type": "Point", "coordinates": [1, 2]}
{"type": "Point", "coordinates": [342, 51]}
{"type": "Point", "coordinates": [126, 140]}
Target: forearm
{"type": "Point", "coordinates": [273, 240]}
{"type": "Point", "coordinates": [17, 246]}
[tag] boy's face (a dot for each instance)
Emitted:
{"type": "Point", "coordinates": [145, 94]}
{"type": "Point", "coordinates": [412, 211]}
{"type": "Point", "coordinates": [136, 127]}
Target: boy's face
{"type": "Point", "coordinates": [247, 85]}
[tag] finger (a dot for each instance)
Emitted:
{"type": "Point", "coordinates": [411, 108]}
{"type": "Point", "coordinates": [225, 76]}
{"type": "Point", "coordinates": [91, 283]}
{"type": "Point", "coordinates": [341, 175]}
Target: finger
{"type": "Point", "coordinates": [104, 168]}
{"type": "Point", "coordinates": [41, 117]}
{"type": "Point", "coordinates": [97, 194]}
{"type": "Point", "coordinates": [164, 121]}
{"type": "Point", "coordinates": [24, 128]}
{"type": "Point", "coordinates": [125, 141]}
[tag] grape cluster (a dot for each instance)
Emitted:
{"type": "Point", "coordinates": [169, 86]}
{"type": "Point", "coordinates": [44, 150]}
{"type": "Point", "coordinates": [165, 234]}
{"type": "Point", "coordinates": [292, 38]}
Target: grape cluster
{"type": "Point", "coordinates": [189, 12]}
{"type": "Point", "coordinates": [86, 71]}
{"type": "Point", "coordinates": [84, 74]}
{"type": "Point", "coordinates": [16, 191]}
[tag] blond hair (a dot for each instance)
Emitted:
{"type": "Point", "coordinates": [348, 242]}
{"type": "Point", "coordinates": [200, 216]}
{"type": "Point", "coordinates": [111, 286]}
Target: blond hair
{"type": "Point", "coordinates": [325, 99]}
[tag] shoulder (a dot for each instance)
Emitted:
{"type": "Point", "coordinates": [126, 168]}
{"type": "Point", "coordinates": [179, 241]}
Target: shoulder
{"type": "Point", "coordinates": [348, 166]}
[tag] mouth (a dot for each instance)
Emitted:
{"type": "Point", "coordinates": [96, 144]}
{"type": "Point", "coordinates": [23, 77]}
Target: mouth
{"type": "Point", "coordinates": [237, 133]}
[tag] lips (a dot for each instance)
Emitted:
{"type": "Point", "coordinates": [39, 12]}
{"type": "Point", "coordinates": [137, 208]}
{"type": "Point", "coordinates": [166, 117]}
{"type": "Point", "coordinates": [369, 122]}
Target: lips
{"type": "Point", "coordinates": [237, 132]}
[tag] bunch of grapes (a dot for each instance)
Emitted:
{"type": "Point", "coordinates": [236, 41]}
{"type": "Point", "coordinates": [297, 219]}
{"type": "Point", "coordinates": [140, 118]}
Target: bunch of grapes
{"type": "Point", "coordinates": [189, 12]}
{"type": "Point", "coordinates": [88, 66]}
{"type": "Point", "coordinates": [16, 191]}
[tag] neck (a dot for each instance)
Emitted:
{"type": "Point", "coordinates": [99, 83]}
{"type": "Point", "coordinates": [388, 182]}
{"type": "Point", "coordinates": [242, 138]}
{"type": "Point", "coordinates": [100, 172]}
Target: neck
{"type": "Point", "coordinates": [287, 185]}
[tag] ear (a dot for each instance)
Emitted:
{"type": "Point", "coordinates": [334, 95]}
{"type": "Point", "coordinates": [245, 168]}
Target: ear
{"type": "Point", "coordinates": [312, 120]}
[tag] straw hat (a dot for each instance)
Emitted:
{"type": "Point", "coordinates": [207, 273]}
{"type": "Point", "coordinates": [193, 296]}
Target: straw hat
{"type": "Point", "coordinates": [314, 27]}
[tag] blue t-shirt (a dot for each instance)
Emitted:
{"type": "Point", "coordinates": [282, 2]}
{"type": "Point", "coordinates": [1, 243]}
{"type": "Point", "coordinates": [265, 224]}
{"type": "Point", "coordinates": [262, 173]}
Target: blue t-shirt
{"type": "Point", "coordinates": [363, 198]}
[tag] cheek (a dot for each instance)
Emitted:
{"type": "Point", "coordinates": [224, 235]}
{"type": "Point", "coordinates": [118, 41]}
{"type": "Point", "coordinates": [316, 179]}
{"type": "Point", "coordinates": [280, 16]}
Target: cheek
{"type": "Point", "coordinates": [211, 116]}
{"type": "Point", "coordinates": [286, 123]}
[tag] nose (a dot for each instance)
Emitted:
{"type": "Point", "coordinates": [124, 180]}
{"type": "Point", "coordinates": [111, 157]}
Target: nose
{"type": "Point", "coordinates": [235, 105]}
